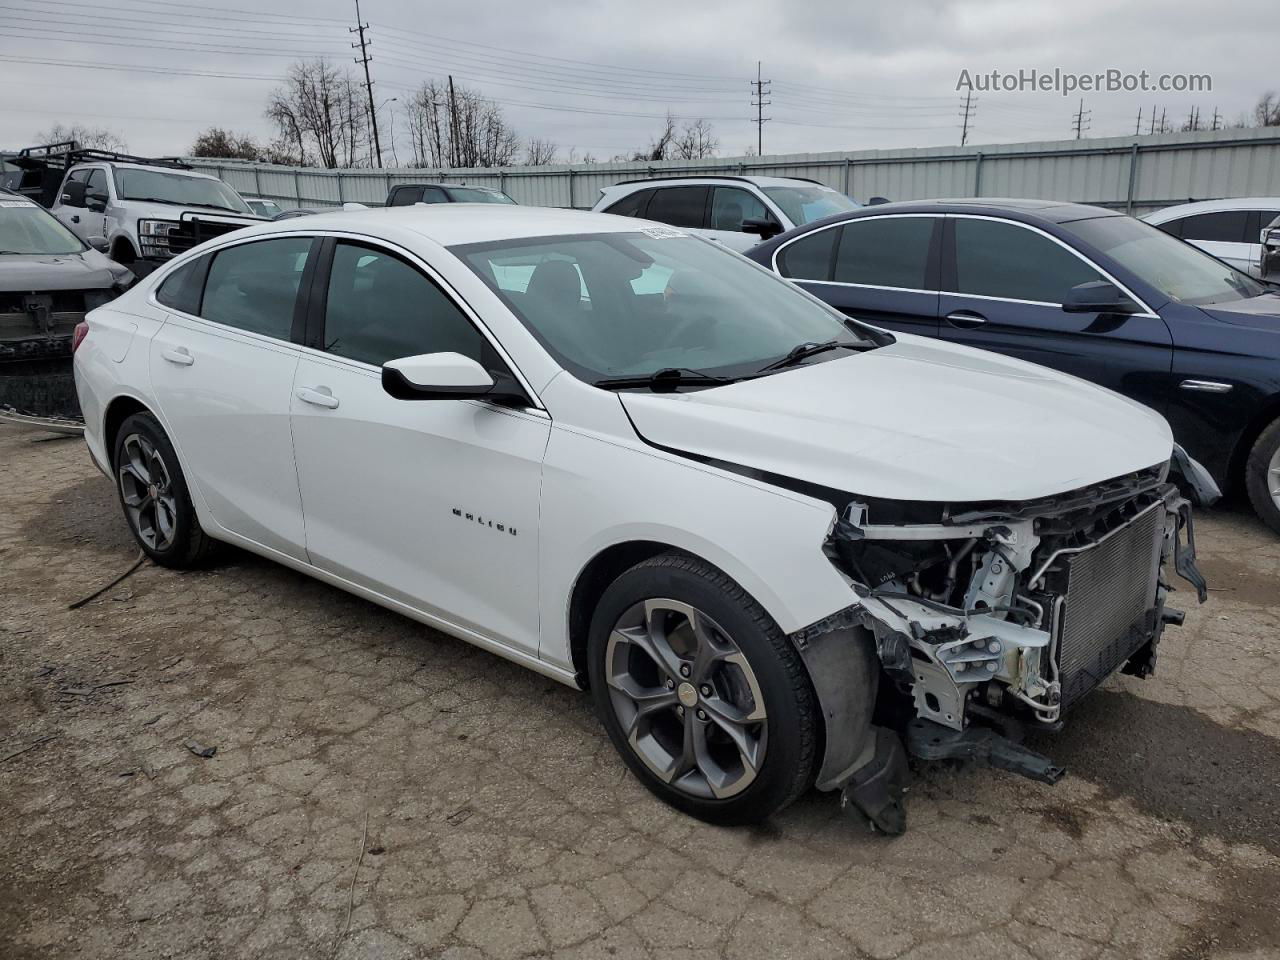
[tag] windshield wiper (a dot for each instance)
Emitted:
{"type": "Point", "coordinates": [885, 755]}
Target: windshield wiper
{"type": "Point", "coordinates": [666, 380]}
{"type": "Point", "coordinates": [802, 351]}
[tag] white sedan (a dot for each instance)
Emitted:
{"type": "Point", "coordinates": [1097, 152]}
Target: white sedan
{"type": "Point", "coordinates": [632, 461]}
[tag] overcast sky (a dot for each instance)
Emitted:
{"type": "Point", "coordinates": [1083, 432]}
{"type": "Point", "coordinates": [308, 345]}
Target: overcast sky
{"type": "Point", "coordinates": [599, 76]}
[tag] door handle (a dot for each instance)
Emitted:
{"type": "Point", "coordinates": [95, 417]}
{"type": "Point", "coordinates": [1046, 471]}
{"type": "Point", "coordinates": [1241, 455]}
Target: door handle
{"type": "Point", "coordinates": [320, 396]}
{"type": "Point", "coordinates": [179, 355]}
{"type": "Point", "coordinates": [966, 318]}
{"type": "Point", "coordinates": [75, 218]}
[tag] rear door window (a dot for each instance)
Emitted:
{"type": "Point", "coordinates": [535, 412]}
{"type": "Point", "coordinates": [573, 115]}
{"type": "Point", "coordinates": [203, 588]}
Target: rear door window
{"type": "Point", "coordinates": [254, 286]}
{"type": "Point", "coordinates": [679, 206]}
{"type": "Point", "coordinates": [885, 252]}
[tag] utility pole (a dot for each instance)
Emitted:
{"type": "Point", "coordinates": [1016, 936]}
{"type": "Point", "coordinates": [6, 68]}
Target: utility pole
{"type": "Point", "coordinates": [454, 154]}
{"type": "Point", "coordinates": [966, 114]}
{"type": "Point", "coordinates": [1153, 118]}
{"type": "Point", "coordinates": [1138, 129]}
{"type": "Point", "coordinates": [364, 59]}
{"type": "Point", "coordinates": [759, 93]}
{"type": "Point", "coordinates": [1081, 121]}
{"type": "Point", "coordinates": [1193, 120]}
{"type": "Point", "coordinates": [1217, 120]}
{"type": "Point", "coordinates": [1164, 127]}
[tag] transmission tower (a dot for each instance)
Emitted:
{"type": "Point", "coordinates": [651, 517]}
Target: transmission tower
{"type": "Point", "coordinates": [1081, 121]}
{"type": "Point", "coordinates": [759, 90]}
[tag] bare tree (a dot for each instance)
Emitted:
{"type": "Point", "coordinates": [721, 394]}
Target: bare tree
{"type": "Point", "coordinates": [92, 138]}
{"type": "Point", "coordinates": [1267, 112]}
{"type": "Point", "coordinates": [539, 153]}
{"type": "Point", "coordinates": [321, 115]}
{"type": "Point", "coordinates": [225, 144]}
{"type": "Point", "coordinates": [455, 126]}
{"type": "Point", "coordinates": [661, 146]}
{"type": "Point", "coordinates": [696, 141]}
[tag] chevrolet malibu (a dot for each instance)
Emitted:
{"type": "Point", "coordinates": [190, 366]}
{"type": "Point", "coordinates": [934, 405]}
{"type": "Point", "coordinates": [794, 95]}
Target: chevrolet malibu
{"type": "Point", "coordinates": [780, 548]}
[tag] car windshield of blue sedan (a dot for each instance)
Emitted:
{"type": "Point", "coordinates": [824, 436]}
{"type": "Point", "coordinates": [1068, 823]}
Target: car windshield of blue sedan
{"type": "Point", "coordinates": [619, 305]}
{"type": "Point", "coordinates": [1178, 270]}
{"type": "Point", "coordinates": [805, 204]}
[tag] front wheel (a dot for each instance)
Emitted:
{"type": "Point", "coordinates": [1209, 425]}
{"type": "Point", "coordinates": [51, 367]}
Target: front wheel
{"type": "Point", "coordinates": [1262, 476]}
{"type": "Point", "coordinates": [701, 692]}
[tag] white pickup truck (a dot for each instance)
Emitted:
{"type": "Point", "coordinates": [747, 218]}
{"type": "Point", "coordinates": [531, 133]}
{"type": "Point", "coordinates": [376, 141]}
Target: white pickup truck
{"type": "Point", "coordinates": [139, 211]}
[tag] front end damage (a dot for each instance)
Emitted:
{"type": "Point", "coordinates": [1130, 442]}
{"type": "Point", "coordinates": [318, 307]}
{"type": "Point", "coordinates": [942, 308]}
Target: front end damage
{"type": "Point", "coordinates": [988, 618]}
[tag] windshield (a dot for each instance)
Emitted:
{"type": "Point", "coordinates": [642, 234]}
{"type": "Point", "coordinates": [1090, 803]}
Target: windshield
{"type": "Point", "coordinates": [805, 204]}
{"type": "Point", "coordinates": [134, 184]}
{"type": "Point", "coordinates": [618, 305]}
{"type": "Point", "coordinates": [1178, 270]}
{"type": "Point", "coordinates": [478, 195]}
{"type": "Point", "coordinates": [25, 228]}
{"type": "Point", "coordinates": [264, 208]}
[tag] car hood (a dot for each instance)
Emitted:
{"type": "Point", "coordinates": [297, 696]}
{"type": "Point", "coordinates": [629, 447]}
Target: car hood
{"type": "Point", "coordinates": [916, 420]}
{"type": "Point", "coordinates": [1263, 311]}
{"type": "Point", "coordinates": [37, 272]}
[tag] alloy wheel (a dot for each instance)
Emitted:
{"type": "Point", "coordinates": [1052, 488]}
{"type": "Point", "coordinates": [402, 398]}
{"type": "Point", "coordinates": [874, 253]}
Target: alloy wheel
{"type": "Point", "coordinates": [147, 491]}
{"type": "Point", "coordinates": [1272, 478]}
{"type": "Point", "coordinates": [687, 699]}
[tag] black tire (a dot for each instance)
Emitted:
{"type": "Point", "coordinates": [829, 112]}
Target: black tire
{"type": "Point", "coordinates": [186, 544]}
{"type": "Point", "coordinates": [792, 726]}
{"type": "Point", "coordinates": [1258, 479]}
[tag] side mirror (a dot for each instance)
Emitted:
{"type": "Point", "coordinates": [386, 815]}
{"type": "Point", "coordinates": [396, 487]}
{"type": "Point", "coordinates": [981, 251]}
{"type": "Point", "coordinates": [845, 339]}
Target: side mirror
{"type": "Point", "coordinates": [762, 227]}
{"type": "Point", "coordinates": [100, 244]}
{"type": "Point", "coordinates": [1098, 296]}
{"type": "Point", "coordinates": [73, 194]}
{"type": "Point", "coordinates": [446, 376]}
{"type": "Point", "coordinates": [1270, 265]}
{"type": "Point", "coordinates": [876, 201]}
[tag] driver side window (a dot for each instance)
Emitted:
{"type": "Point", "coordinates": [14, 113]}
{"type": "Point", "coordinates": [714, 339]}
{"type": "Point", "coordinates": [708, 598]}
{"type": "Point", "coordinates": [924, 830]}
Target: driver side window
{"type": "Point", "coordinates": [379, 308]}
{"type": "Point", "coordinates": [732, 205]}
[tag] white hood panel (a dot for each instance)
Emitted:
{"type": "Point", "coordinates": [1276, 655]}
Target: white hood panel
{"type": "Point", "coordinates": [917, 420]}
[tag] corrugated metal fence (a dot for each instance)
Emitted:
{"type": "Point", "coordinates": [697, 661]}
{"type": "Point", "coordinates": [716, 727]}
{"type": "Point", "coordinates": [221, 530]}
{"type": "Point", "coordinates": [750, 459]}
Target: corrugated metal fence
{"type": "Point", "coordinates": [1137, 174]}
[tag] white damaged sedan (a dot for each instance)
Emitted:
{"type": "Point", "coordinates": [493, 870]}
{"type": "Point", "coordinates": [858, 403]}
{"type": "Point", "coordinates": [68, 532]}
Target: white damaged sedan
{"type": "Point", "coordinates": [780, 547]}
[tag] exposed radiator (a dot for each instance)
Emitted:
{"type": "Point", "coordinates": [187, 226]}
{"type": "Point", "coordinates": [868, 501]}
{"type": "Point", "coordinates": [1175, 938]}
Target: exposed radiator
{"type": "Point", "coordinates": [1107, 615]}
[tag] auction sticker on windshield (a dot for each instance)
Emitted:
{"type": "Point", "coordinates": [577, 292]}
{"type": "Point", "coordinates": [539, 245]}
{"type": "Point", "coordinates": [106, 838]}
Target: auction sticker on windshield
{"type": "Point", "coordinates": [662, 233]}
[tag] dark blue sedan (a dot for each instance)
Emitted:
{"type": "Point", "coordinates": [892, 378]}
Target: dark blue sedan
{"type": "Point", "coordinates": [1081, 289]}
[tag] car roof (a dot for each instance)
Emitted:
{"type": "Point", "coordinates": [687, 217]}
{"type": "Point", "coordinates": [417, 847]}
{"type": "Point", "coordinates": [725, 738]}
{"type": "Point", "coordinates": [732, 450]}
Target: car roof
{"type": "Point", "coordinates": [459, 223]}
{"type": "Point", "coordinates": [465, 186]}
{"type": "Point", "coordinates": [1212, 206]}
{"type": "Point", "coordinates": [1030, 211]}
{"type": "Point", "coordinates": [162, 168]}
{"type": "Point", "coordinates": [711, 178]}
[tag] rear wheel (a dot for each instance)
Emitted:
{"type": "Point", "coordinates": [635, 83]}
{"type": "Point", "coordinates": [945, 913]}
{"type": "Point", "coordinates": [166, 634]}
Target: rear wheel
{"type": "Point", "coordinates": [1262, 476]}
{"type": "Point", "coordinates": [701, 692]}
{"type": "Point", "coordinates": [154, 495]}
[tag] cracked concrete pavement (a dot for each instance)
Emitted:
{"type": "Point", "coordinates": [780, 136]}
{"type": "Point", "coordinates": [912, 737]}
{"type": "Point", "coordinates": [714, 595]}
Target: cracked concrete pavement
{"type": "Point", "coordinates": [500, 823]}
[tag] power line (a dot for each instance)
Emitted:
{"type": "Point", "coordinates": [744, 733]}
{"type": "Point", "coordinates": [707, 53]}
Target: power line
{"type": "Point", "coordinates": [363, 60]}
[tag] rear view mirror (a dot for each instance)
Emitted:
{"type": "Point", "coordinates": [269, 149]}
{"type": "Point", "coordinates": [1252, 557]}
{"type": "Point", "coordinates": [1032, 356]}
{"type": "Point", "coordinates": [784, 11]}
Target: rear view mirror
{"type": "Point", "coordinates": [73, 194]}
{"type": "Point", "coordinates": [762, 227]}
{"type": "Point", "coordinates": [446, 376]}
{"type": "Point", "coordinates": [1099, 296]}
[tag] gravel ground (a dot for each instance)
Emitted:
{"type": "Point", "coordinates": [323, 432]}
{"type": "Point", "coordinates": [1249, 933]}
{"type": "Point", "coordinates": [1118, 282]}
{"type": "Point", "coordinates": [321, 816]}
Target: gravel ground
{"type": "Point", "coordinates": [381, 790]}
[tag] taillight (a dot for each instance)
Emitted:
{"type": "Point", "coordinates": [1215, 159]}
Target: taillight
{"type": "Point", "coordinates": [77, 338]}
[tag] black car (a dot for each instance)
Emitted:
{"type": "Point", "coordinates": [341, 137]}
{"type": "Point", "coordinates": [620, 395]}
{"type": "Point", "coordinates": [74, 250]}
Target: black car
{"type": "Point", "coordinates": [407, 194]}
{"type": "Point", "coordinates": [1085, 290]}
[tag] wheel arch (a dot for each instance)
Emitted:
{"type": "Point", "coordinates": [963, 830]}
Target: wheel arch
{"type": "Point", "coordinates": [119, 410]}
{"type": "Point", "coordinates": [1268, 413]}
{"type": "Point", "coordinates": [592, 581]}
